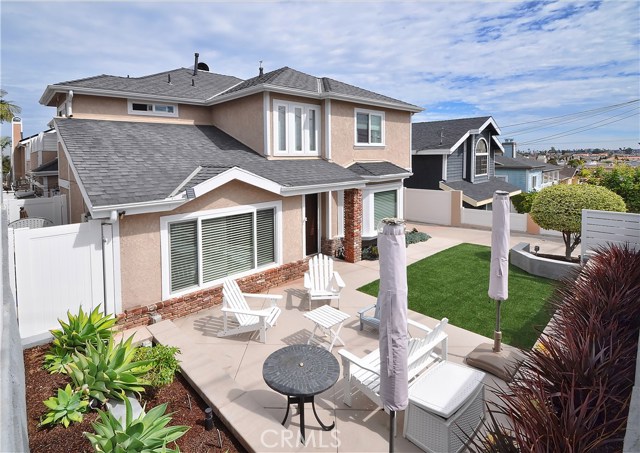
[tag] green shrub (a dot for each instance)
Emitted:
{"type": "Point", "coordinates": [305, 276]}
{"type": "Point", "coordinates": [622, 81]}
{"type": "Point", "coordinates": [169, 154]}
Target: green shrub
{"type": "Point", "coordinates": [370, 253]}
{"type": "Point", "coordinates": [523, 201]}
{"type": "Point", "coordinates": [560, 208]}
{"type": "Point", "coordinates": [163, 361]}
{"type": "Point", "coordinates": [67, 407]}
{"type": "Point", "coordinates": [147, 433]}
{"type": "Point", "coordinates": [108, 370]}
{"type": "Point", "coordinates": [414, 236]}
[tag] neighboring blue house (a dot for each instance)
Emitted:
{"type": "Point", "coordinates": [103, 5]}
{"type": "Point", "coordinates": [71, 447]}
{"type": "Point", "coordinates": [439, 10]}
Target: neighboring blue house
{"type": "Point", "coordinates": [527, 174]}
{"type": "Point", "coordinates": [458, 155]}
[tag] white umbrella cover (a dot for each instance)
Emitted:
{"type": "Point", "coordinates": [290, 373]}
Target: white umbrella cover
{"type": "Point", "coordinates": [392, 299]}
{"type": "Point", "coordinates": [499, 269]}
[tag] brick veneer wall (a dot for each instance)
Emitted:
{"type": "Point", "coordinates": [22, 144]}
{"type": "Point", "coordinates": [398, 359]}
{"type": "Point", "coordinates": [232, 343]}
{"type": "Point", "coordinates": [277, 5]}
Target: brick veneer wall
{"type": "Point", "coordinates": [206, 298]}
{"type": "Point", "coordinates": [330, 247]}
{"type": "Point", "coordinates": [353, 225]}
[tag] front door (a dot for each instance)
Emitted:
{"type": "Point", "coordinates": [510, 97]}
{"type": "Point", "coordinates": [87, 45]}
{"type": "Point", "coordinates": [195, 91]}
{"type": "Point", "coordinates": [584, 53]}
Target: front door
{"type": "Point", "coordinates": [311, 223]}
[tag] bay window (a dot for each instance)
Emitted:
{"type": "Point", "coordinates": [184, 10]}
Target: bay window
{"type": "Point", "coordinates": [296, 128]}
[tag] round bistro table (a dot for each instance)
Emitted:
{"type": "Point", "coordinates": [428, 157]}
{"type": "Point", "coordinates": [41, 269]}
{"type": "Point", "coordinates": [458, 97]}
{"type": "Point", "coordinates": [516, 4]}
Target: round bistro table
{"type": "Point", "coordinates": [300, 372]}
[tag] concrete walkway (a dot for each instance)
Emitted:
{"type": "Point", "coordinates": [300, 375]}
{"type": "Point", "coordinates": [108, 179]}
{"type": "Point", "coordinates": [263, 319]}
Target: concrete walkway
{"type": "Point", "coordinates": [228, 371]}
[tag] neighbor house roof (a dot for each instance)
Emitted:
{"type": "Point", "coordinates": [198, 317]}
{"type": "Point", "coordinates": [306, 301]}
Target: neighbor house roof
{"type": "Point", "coordinates": [525, 164]}
{"type": "Point", "coordinates": [444, 137]}
{"type": "Point", "coordinates": [180, 85]}
{"type": "Point", "coordinates": [375, 171]}
{"type": "Point", "coordinates": [568, 172]}
{"type": "Point", "coordinates": [51, 166]}
{"type": "Point", "coordinates": [480, 194]}
{"type": "Point", "coordinates": [121, 163]}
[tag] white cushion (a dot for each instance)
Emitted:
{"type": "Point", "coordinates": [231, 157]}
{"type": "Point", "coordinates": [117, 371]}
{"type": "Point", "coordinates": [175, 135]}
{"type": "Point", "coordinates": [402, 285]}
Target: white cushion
{"type": "Point", "coordinates": [444, 388]}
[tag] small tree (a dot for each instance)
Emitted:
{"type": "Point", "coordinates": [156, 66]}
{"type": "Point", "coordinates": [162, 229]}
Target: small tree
{"type": "Point", "coordinates": [623, 179]}
{"type": "Point", "coordinates": [560, 208]}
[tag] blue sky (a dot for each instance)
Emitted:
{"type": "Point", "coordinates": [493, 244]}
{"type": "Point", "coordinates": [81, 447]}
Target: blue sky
{"type": "Point", "coordinates": [517, 61]}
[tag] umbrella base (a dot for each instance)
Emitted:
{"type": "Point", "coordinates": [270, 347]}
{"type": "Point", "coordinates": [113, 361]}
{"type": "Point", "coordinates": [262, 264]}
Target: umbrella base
{"type": "Point", "coordinates": [503, 364]}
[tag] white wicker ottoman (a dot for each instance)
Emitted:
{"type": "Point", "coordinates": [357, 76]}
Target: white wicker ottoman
{"type": "Point", "coordinates": [445, 403]}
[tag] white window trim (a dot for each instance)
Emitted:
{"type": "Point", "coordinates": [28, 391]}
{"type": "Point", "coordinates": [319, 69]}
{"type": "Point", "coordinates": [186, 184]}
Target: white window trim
{"type": "Point", "coordinates": [153, 112]}
{"type": "Point", "coordinates": [290, 130]}
{"type": "Point", "coordinates": [368, 228]}
{"type": "Point", "coordinates": [476, 154]}
{"type": "Point", "coordinates": [355, 127]}
{"type": "Point", "coordinates": [202, 215]}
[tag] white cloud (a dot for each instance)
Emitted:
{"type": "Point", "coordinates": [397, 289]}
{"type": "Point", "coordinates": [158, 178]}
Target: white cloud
{"type": "Point", "coordinates": [509, 59]}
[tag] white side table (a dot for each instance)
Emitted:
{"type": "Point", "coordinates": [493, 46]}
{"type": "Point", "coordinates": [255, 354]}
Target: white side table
{"type": "Point", "coordinates": [446, 404]}
{"type": "Point", "coordinates": [329, 320]}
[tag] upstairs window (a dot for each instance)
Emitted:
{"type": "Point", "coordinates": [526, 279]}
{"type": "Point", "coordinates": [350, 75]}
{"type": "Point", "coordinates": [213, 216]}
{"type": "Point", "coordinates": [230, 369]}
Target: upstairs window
{"type": "Point", "coordinates": [369, 127]}
{"type": "Point", "coordinates": [150, 108]}
{"type": "Point", "coordinates": [482, 158]}
{"type": "Point", "coordinates": [296, 128]}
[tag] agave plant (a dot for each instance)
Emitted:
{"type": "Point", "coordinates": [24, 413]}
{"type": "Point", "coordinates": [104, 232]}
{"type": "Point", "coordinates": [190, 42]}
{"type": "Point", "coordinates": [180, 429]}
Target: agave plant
{"type": "Point", "coordinates": [108, 370]}
{"type": "Point", "coordinates": [56, 359]}
{"type": "Point", "coordinates": [81, 329]}
{"type": "Point", "coordinates": [67, 407]}
{"type": "Point", "coordinates": [147, 433]}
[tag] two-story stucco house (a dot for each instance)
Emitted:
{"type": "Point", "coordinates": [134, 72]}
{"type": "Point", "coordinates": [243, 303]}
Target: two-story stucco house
{"type": "Point", "coordinates": [207, 176]}
{"type": "Point", "coordinates": [458, 155]}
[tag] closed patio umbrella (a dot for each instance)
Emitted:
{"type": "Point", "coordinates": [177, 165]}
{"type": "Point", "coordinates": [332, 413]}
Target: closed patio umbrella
{"type": "Point", "coordinates": [499, 361]}
{"type": "Point", "coordinates": [392, 300]}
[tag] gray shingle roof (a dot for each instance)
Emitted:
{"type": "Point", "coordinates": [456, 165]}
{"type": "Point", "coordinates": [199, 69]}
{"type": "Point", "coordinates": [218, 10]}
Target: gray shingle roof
{"type": "Point", "coordinates": [510, 162]}
{"type": "Point", "coordinates": [481, 191]}
{"type": "Point", "coordinates": [290, 78]}
{"type": "Point", "coordinates": [368, 169]}
{"type": "Point", "coordinates": [442, 134]}
{"type": "Point", "coordinates": [205, 84]}
{"type": "Point", "coordinates": [128, 162]}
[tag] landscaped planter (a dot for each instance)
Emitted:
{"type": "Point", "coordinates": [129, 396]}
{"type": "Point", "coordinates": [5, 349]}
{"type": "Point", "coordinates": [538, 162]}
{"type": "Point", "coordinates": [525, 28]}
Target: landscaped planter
{"type": "Point", "coordinates": [521, 257]}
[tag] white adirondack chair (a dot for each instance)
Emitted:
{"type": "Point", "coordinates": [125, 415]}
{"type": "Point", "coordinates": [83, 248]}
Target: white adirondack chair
{"type": "Point", "coordinates": [322, 282]}
{"type": "Point", "coordinates": [234, 305]}
{"type": "Point", "coordinates": [364, 373]}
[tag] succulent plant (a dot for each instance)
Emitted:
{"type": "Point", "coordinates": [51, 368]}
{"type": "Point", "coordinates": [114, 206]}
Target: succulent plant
{"type": "Point", "coordinates": [108, 370]}
{"type": "Point", "coordinates": [147, 433]}
{"type": "Point", "coordinates": [67, 407]}
{"type": "Point", "coordinates": [73, 335]}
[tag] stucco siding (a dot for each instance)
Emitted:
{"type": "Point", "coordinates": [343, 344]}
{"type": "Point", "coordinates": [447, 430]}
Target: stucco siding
{"type": "Point", "coordinates": [140, 251]}
{"type": "Point", "coordinates": [100, 107]}
{"type": "Point", "coordinates": [397, 133]}
{"type": "Point", "coordinates": [242, 119]}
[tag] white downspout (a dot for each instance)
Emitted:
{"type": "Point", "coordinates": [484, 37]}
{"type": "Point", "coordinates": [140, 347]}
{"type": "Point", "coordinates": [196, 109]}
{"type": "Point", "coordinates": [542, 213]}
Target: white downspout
{"type": "Point", "coordinates": [70, 103]}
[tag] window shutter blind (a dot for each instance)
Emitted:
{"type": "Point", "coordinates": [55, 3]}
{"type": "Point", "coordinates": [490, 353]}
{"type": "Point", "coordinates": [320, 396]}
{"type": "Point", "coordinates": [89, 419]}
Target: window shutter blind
{"type": "Point", "coordinates": [183, 254]}
{"type": "Point", "coordinates": [265, 233]}
{"type": "Point", "coordinates": [227, 246]}
{"type": "Point", "coordinates": [384, 205]}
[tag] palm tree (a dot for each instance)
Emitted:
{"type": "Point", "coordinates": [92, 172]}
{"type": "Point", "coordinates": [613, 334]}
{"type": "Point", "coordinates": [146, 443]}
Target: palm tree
{"type": "Point", "coordinates": [7, 108]}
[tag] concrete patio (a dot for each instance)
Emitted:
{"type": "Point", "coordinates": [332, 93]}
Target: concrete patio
{"type": "Point", "coordinates": [228, 371]}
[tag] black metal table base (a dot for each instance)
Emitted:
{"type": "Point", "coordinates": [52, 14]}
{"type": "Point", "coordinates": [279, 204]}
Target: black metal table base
{"type": "Point", "coordinates": [300, 400]}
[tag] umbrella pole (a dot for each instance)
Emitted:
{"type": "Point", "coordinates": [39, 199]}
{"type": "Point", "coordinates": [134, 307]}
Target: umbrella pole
{"type": "Point", "coordinates": [392, 430]}
{"type": "Point", "coordinates": [497, 335]}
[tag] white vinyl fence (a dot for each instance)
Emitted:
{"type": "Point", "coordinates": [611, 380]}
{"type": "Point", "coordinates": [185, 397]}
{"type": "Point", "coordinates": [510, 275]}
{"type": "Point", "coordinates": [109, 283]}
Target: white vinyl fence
{"type": "Point", "coordinates": [600, 228]}
{"type": "Point", "coordinates": [478, 217]}
{"type": "Point", "coordinates": [52, 208]}
{"type": "Point", "coordinates": [56, 269]}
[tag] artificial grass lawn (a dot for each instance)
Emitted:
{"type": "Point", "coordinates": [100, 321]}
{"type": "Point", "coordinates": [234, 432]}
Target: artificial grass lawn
{"type": "Point", "coordinates": [454, 284]}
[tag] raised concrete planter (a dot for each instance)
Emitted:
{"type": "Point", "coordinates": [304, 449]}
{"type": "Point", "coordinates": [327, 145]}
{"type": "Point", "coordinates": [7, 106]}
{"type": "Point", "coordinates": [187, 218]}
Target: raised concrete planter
{"type": "Point", "coordinates": [520, 257]}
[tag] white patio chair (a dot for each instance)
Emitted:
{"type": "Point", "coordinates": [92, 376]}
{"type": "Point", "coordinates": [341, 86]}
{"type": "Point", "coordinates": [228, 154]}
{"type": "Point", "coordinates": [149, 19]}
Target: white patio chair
{"type": "Point", "coordinates": [369, 316]}
{"type": "Point", "coordinates": [321, 281]}
{"type": "Point", "coordinates": [234, 305]}
{"type": "Point", "coordinates": [30, 222]}
{"type": "Point", "coordinates": [364, 373]}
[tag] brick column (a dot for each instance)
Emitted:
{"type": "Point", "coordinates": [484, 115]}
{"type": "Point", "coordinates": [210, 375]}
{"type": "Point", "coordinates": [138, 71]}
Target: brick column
{"type": "Point", "coordinates": [353, 225]}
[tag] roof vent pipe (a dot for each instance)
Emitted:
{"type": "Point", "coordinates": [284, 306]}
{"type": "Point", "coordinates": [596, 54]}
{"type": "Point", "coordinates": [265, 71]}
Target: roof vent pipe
{"type": "Point", "coordinates": [261, 71]}
{"type": "Point", "coordinates": [195, 65]}
{"type": "Point", "coordinates": [169, 79]}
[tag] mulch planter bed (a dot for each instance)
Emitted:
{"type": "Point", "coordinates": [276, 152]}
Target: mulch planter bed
{"type": "Point", "coordinates": [186, 405]}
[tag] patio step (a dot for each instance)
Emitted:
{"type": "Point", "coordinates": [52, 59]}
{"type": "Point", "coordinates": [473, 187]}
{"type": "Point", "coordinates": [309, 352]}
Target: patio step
{"type": "Point", "coordinates": [239, 411]}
